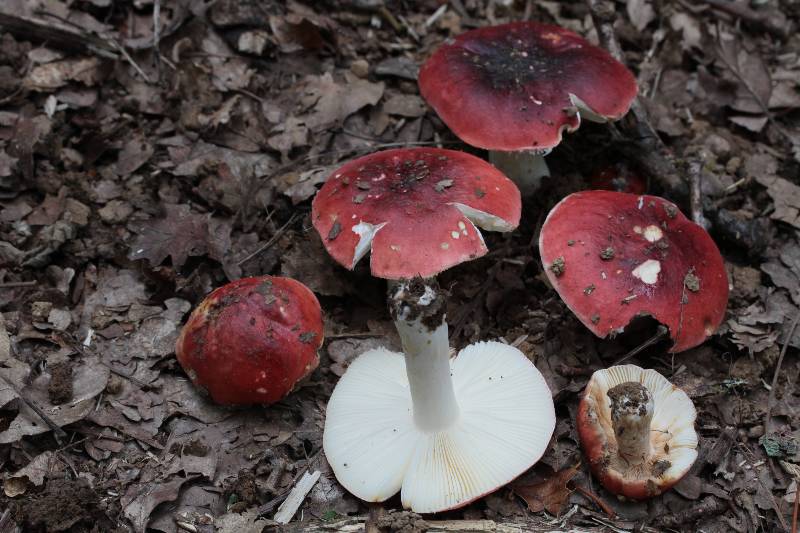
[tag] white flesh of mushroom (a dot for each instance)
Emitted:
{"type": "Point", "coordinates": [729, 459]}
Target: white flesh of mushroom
{"type": "Point", "coordinates": [526, 168]}
{"type": "Point", "coordinates": [442, 431]}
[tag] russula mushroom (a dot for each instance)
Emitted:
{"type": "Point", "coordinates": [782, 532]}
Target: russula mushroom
{"type": "Point", "coordinates": [514, 88]}
{"type": "Point", "coordinates": [637, 431]}
{"type": "Point", "coordinates": [442, 431]}
{"type": "Point", "coordinates": [252, 340]}
{"type": "Point", "coordinates": [614, 256]}
{"type": "Point", "coordinates": [416, 209]}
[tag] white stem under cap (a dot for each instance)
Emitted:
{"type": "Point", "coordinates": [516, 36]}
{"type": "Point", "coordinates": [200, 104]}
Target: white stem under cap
{"type": "Point", "coordinates": [419, 318]}
{"type": "Point", "coordinates": [525, 168]}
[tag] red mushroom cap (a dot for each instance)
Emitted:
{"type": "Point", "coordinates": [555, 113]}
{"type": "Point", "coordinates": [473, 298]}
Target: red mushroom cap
{"type": "Point", "coordinates": [415, 208]}
{"type": "Point", "coordinates": [510, 87]}
{"type": "Point", "coordinates": [614, 256]}
{"type": "Point", "coordinates": [251, 341]}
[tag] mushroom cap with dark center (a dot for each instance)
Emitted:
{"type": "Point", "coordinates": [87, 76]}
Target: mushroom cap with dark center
{"type": "Point", "coordinates": [252, 340]}
{"type": "Point", "coordinates": [415, 209]}
{"type": "Point", "coordinates": [512, 86]}
{"type": "Point", "coordinates": [615, 256]}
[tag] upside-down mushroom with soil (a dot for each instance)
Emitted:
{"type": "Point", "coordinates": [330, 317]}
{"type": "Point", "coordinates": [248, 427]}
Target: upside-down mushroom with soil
{"type": "Point", "coordinates": [637, 431]}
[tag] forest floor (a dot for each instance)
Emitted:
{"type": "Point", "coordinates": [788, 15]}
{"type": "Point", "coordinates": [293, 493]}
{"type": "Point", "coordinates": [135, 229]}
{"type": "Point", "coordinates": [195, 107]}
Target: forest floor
{"type": "Point", "coordinates": [144, 164]}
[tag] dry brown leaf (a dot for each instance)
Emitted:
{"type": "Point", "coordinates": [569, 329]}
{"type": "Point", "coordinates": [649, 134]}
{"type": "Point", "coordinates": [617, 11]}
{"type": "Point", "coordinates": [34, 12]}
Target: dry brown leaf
{"type": "Point", "coordinates": [333, 102]}
{"type": "Point", "coordinates": [181, 234]}
{"type": "Point", "coordinates": [57, 74]}
{"type": "Point", "coordinates": [550, 494]}
{"type": "Point", "coordinates": [786, 197]}
{"type": "Point", "coordinates": [640, 13]}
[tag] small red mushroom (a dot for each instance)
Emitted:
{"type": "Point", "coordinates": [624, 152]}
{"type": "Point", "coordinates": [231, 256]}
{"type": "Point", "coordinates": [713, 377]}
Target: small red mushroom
{"type": "Point", "coordinates": [615, 256]}
{"type": "Point", "coordinates": [637, 431]}
{"type": "Point", "coordinates": [252, 340]}
{"type": "Point", "coordinates": [416, 209]}
{"type": "Point", "coordinates": [516, 87]}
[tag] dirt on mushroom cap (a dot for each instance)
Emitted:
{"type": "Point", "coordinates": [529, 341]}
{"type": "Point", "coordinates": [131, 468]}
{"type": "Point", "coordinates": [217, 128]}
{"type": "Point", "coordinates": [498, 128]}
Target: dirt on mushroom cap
{"type": "Point", "coordinates": [663, 265]}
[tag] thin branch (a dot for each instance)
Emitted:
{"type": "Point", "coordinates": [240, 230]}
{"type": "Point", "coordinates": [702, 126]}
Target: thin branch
{"type": "Point", "coordinates": [771, 400]}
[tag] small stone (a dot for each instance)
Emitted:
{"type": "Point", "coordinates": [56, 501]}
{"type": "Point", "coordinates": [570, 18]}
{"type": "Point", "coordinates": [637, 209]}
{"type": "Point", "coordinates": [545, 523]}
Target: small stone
{"type": "Point", "coordinates": [253, 42]}
{"type": "Point", "coordinates": [360, 67]}
{"type": "Point", "coordinates": [589, 290]}
{"type": "Point", "coordinates": [115, 212]}
{"type": "Point", "coordinates": [595, 318]}
{"type": "Point", "coordinates": [671, 210]}
{"type": "Point", "coordinates": [442, 185]}
{"type": "Point", "coordinates": [607, 254]}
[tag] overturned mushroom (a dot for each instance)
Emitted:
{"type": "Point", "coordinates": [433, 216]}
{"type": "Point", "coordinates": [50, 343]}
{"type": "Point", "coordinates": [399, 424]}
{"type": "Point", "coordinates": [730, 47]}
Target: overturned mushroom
{"type": "Point", "coordinates": [637, 431]}
{"type": "Point", "coordinates": [442, 431]}
{"type": "Point", "coordinates": [614, 256]}
{"type": "Point", "coordinates": [415, 210]}
{"type": "Point", "coordinates": [252, 340]}
{"type": "Point", "coordinates": [514, 88]}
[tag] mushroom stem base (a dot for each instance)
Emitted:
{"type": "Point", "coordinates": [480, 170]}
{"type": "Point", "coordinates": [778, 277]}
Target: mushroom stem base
{"type": "Point", "coordinates": [525, 168]}
{"type": "Point", "coordinates": [631, 414]}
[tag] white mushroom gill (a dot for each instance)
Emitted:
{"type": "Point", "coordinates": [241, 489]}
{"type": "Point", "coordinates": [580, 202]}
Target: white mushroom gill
{"type": "Point", "coordinates": [442, 431]}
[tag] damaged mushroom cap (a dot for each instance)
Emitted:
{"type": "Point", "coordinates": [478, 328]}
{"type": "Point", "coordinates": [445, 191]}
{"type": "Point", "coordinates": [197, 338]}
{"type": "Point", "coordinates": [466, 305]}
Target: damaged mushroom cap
{"type": "Point", "coordinates": [614, 256]}
{"type": "Point", "coordinates": [637, 431]}
{"type": "Point", "coordinates": [416, 210]}
{"type": "Point", "coordinates": [252, 340]}
{"type": "Point", "coordinates": [517, 86]}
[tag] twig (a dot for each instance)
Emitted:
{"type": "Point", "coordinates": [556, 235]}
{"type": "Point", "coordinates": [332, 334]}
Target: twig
{"type": "Point", "coordinates": [272, 239]}
{"type": "Point", "coordinates": [109, 41]}
{"type": "Point", "coordinates": [648, 150]}
{"type": "Point", "coordinates": [14, 284]}
{"type": "Point", "coordinates": [78, 41]}
{"type": "Point", "coordinates": [596, 499]}
{"type": "Point", "coordinates": [55, 428]}
{"type": "Point", "coordinates": [660, 333]}
{"type": "Point", "coordinates": [695, 171]}
{"type": "Point", "coordinates": [157, 35]}
{"type": "Point", "coordinates": [295, 498]}
{"type": "Point", "coordinates": [771, 401]}
{"type": "Point", "coordinates": [761, 20]}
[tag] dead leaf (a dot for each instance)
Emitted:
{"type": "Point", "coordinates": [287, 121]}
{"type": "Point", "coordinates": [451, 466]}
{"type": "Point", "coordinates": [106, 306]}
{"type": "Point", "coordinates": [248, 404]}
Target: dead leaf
{"type": "Point", "coordinates": [786, 197]}
{"type": "Point", "coordinates": [31, 474]}
{"type": "Point", "coordinates": [246, 522]}
{"type": "Point", "coordinates": [302, 186]}
{"type": "Point", "coordinates": [89, 380]}
{"type": "Point", "coordinates": [640, 13]}
{"type": "Point", "coordinates": [135, 153]}
{"type": "Point", "coordinates": [550, 494]}
{"type": "Point", "coordinates": [179, 235]}
{"type": "Point", "coordinates": [754, 124]}
{"type": "Point", "coordinates": [405, 105]}
{"type": "Point", "coordinates": [57, 74]}
{"type": "Point", "coordinates": [333, 102]}
{"type": "Point", "coordinates": [689, 28]}
{"type": "Point", "coordinates": [150, 496]}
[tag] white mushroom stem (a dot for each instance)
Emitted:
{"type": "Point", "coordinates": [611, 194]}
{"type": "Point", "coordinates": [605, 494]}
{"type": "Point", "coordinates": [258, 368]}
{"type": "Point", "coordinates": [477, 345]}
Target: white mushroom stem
{"type": "Point", "coordinates": [631, 413]}
{"type": "Point", "coordinates": [525, 168]}
{"type": "Point", "coordinates": [418, 309]}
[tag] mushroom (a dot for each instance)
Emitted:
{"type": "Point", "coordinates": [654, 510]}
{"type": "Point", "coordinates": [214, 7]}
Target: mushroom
{"type": "Point", "coordinates": [416, 209]}
{"type": "Point", "coordinates": [252, 340]}
{"type": "Point", "coordinates": [637, 431]}
{"type": "Point", "coordinates": [442, 431]}
{"type": "Point", "coordinates": [514, 88]}
{"type": "Point", "coordinates": [614, 256]}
